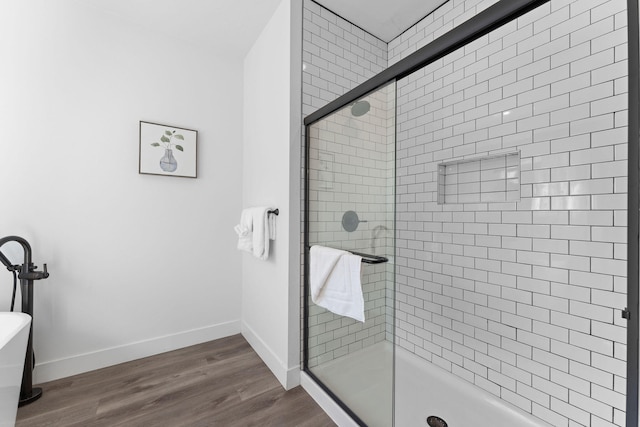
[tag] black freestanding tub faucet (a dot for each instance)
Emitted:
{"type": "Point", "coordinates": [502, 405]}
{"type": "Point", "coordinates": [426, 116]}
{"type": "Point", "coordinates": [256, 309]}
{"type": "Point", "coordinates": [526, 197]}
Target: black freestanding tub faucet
{"type": "Point", "coordinates": [27, 274]}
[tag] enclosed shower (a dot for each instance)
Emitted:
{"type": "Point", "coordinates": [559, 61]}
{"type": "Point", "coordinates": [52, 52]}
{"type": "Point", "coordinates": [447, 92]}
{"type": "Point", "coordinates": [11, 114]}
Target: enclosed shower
{"type": "Point", "coordinates": [483, 176]}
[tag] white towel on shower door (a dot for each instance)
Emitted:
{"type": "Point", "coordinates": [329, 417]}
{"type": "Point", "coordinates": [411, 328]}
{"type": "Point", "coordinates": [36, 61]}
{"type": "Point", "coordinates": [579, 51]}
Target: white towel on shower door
{"type": "Point", "coordinates": [334, 281]}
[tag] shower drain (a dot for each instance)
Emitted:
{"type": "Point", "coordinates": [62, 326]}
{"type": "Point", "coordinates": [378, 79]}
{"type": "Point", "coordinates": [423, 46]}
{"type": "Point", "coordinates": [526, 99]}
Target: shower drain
{"type": "Point", "coordinates": [434, 421]}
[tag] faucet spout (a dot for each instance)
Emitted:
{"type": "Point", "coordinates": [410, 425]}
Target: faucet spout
{"type": "Point", "coordinates": [26, 247]}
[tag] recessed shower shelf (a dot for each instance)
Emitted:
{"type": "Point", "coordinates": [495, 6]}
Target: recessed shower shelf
{"type": "Point", "coordinates": [486, 179]}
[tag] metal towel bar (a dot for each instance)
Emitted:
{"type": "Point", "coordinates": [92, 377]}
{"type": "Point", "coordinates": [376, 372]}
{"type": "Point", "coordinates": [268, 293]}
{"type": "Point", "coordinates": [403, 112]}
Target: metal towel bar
{"type": "Point", "coordinates": [371, 259]}
{"type": "Point", "coordinates": [366, 258]}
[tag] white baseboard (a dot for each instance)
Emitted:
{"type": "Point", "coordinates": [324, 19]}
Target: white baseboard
{"type": "Point", "coordinates": [333, 410]}
{"type": "Point", "coordinates": [61, 368]}
{"type": "Point", "coordinates": [288, 377]}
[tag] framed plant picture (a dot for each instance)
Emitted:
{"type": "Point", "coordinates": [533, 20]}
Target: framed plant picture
{"type": "Point", "coordinates": [167, 150]}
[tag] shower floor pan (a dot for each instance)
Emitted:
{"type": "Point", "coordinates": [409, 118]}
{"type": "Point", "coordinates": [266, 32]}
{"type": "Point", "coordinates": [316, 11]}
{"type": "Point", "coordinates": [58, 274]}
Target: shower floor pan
{"type": "Point", "coordinates": [363, 381]}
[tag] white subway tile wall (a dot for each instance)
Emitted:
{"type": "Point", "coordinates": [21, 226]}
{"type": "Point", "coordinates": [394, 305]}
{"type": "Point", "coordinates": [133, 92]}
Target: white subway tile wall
{"type": "Point", "coordinates": [521, 298]}
{"type": "Point", "coordinates": [337, 56]}
{"type": "Point", "coordinates": [442, 20]}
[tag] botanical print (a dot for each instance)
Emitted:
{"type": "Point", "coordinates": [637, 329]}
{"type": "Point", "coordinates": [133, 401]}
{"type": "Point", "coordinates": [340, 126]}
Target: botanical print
{"type": "Point", "coordinates": [168, 163]}
{"type": "Point", "coordinates": [179, 155]}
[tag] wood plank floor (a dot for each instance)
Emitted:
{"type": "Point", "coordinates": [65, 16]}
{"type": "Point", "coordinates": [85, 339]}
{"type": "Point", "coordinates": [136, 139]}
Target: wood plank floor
{"type": "Point", "coordinates": [220, 383]}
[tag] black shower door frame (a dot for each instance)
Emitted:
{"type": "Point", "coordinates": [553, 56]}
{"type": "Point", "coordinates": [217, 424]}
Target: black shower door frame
{"type": "Point", "coordinates": [491, 18]}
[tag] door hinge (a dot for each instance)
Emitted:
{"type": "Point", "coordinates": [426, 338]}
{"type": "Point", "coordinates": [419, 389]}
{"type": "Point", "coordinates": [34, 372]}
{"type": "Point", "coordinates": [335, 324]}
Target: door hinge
{"type": "Point", "coordinates": [626, 314]}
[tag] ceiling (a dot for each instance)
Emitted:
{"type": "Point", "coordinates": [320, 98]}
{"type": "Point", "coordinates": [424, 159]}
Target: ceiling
{"type": "Point", "coordinates": [226, 26]}
{"type": "Point", "coordinates": [232, 26]}
{"type": "Point", "coordinates": [385, 19]}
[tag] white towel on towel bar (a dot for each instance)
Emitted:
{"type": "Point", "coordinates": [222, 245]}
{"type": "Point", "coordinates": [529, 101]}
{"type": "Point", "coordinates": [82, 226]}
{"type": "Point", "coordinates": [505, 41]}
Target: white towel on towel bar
{"type": "Point", "coordinates": [245, 231]}
{"type": "Point", "coordinates": [272, 225]}
{"type": "Point", "coordinates": [255, 230]}
{"type": "Point", "coordinates": [334, 279]}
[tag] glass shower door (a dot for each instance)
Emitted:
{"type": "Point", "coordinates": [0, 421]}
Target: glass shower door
{"type": "Point", "coordinates": [520, 183]}
{"type": "Point", "coordinates": [351, 178]}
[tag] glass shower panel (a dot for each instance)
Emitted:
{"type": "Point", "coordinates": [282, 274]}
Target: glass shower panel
{"type": "Point", "coordinates": [351, 169]}
{"type": "Point", "coordinates": [512, 220]}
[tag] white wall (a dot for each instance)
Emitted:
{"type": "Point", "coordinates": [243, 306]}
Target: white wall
{"type": "Point", "coordinates": [139, 263]}
{"type": "Point", "coordinates": [270, 295]}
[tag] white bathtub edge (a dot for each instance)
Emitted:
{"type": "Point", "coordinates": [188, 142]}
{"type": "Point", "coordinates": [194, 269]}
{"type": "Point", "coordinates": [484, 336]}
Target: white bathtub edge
{"type": "Point", "coordinates": [331, 408]}
{"type": "Point", "coordinates": [61, 368]}
{"type": "Point", "coordinates": [14, 335]}
{"type": "Point", "coordinates": [23, 321]}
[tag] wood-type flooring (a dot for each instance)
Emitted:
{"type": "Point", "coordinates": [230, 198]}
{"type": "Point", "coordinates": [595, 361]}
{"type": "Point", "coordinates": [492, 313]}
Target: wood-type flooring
{"type": "Point", "coordinates": [219, 383]}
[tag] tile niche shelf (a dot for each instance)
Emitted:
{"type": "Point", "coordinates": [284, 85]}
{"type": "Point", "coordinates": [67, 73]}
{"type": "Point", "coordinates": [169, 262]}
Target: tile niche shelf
{"type": "Point", "coordinates": [487, 179]}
